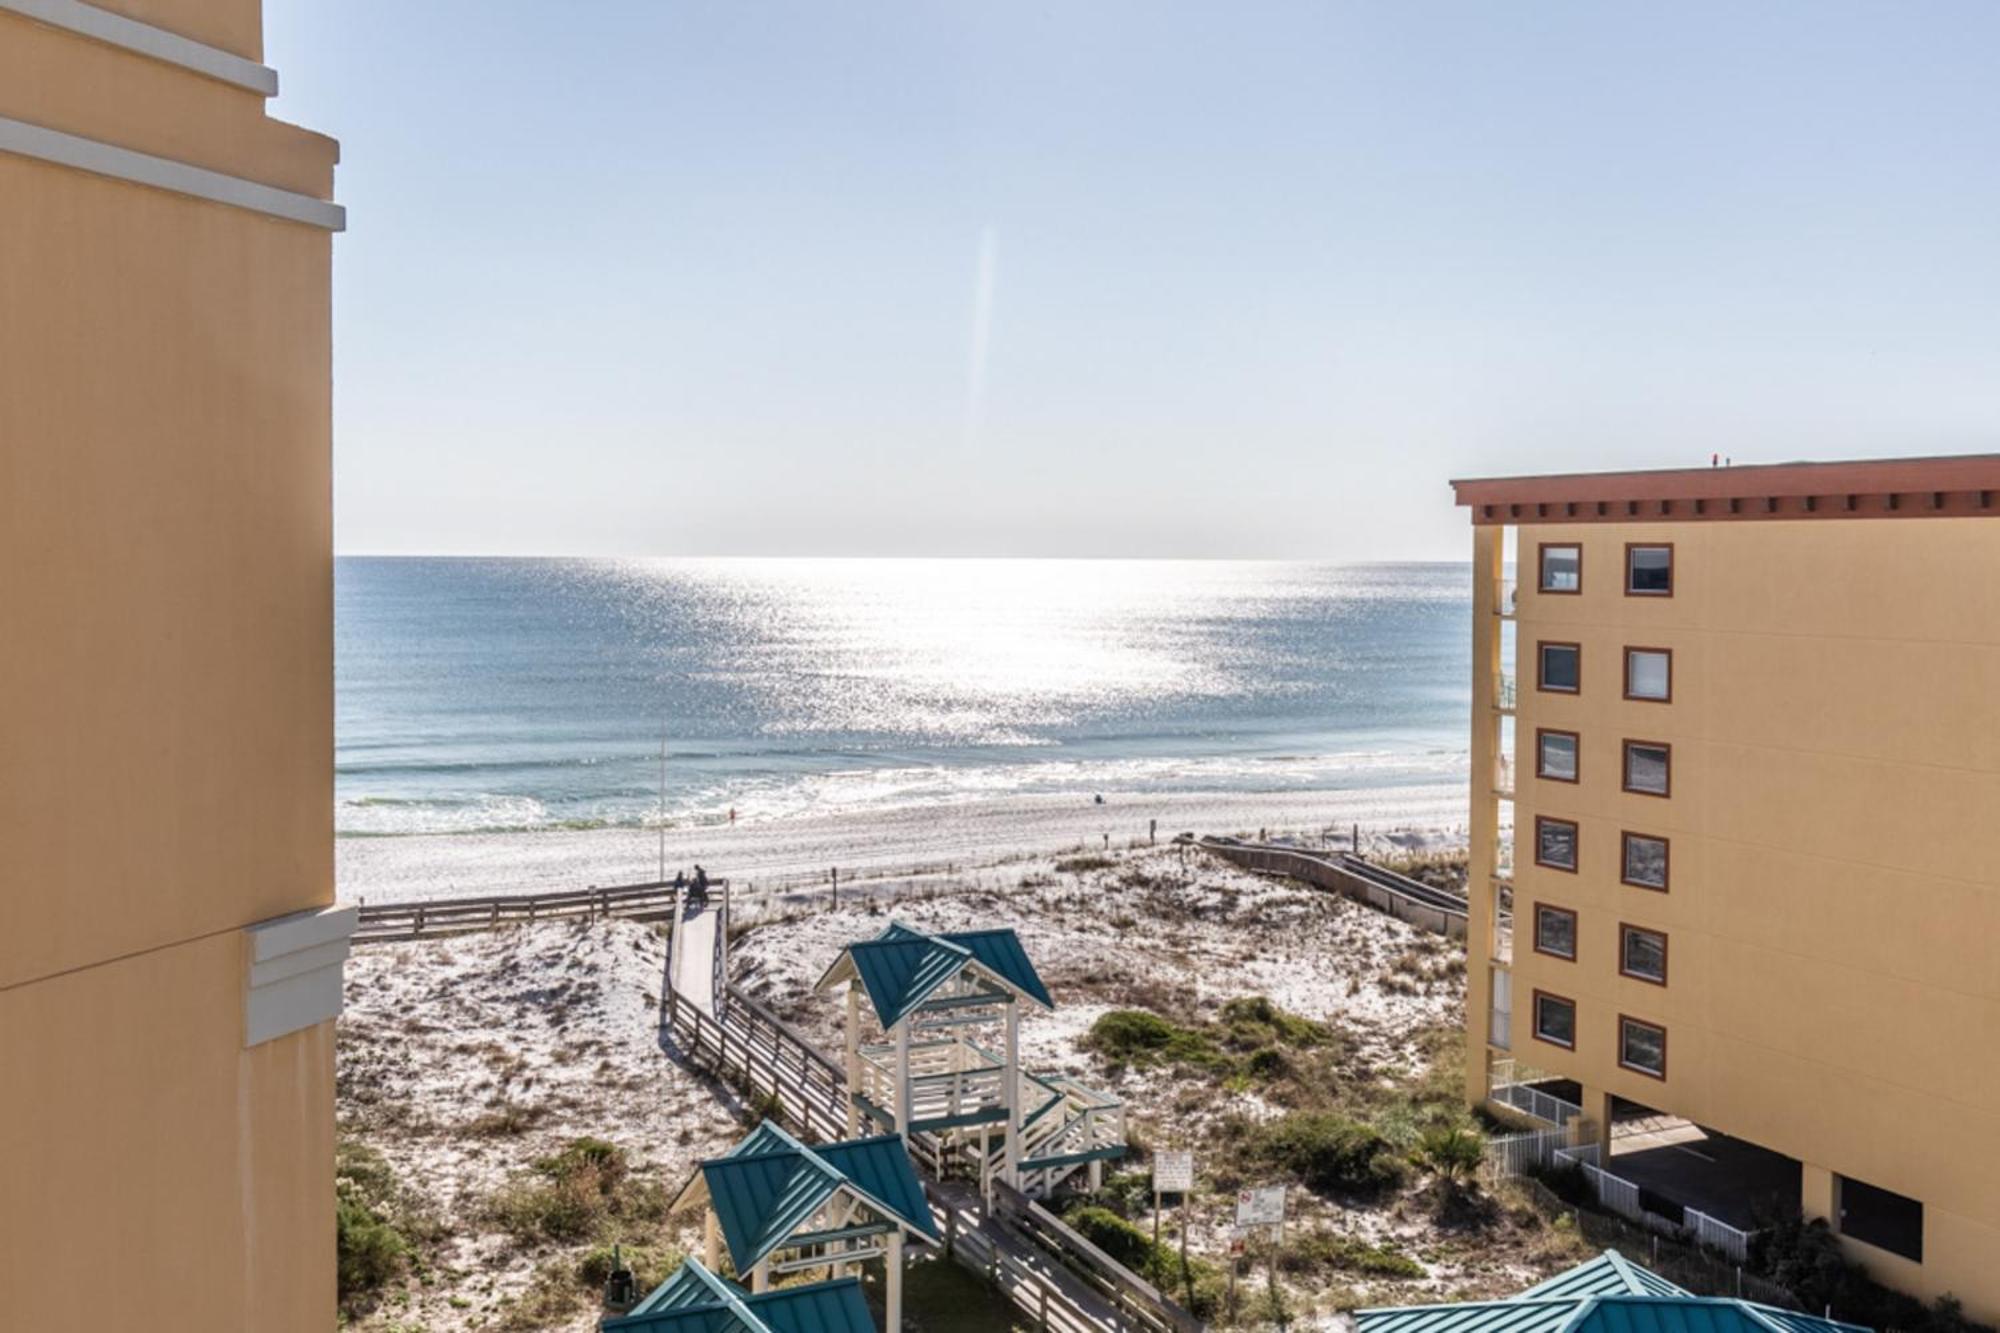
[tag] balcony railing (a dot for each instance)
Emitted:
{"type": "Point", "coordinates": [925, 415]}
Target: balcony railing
{"type": "Point", "coordinates": [1503, 776]}
{"type": "Point", "coordinates": [1506, 598]}
{"type": "Point", "coordinates": [1503, 932]}
{"type": "Point", "coordinates": [1504, 687]}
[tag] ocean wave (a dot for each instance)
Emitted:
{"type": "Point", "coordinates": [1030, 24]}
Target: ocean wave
{"type": "Point", "coordinates": [771, 796]}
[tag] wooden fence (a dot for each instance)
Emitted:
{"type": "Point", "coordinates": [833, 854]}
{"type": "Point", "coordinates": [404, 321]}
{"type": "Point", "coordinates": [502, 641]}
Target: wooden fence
{"type": "Point", "coordinates": [458, 916]}
{"type": "Point", "coordinates": [770, 1058]}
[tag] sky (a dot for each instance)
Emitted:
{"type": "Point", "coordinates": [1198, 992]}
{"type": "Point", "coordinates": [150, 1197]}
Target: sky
{"type": "Point", "coordinates": [1127, 279]}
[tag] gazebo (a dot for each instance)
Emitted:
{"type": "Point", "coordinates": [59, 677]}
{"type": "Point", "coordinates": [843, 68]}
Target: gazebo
{"type": "Point", "coordinates": [695, 1300]}
{"type": "Point", "coordinates": [942, 1003]}
{"type": "Point", "coordinates": [781, 1207]}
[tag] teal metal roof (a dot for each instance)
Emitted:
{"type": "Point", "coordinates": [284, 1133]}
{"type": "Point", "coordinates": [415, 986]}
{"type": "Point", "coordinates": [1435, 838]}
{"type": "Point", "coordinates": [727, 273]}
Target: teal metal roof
{"type": "Point", "coordinates": [1609, 1274]}
{"type": "Point", "coordinates": [766, 1187]}
{"type": "Point", "coordinates": [1609, 1294]}
{"type": "Point", "coordinates": [1001, 952]}
{"type": "Point", "coordinates": [695, 1300]}
{"type": "Point", "coordinates": [901, 968]}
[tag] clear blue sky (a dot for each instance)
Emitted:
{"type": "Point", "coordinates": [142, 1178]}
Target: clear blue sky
{"type": "Point", "coordinates": [1128, 278]}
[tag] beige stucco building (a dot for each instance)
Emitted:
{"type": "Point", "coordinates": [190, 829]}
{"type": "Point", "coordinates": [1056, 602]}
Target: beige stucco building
{"type": "Point", "coordinates": [169, 961]}
{"type": "Point", "coordinates": [1736, 839]}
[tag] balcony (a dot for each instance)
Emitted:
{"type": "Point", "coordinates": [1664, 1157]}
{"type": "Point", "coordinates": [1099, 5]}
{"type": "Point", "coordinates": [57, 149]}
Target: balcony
{"type": "Point", "coordinates": [1503, 777]}
{"type": "Point", "coordinates": [1506, 599]}
{"type": "Point", "coordinates": [1503, 922]}
{"type": "Point", "coordinates": [1504, 692]}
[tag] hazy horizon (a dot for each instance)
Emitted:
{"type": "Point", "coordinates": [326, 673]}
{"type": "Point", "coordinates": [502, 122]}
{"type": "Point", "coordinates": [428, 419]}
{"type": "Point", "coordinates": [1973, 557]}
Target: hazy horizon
{"type": "Point", "coordinates": [1127, 280]}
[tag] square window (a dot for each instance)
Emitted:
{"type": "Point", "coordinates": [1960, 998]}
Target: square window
{"type": "Point", "coordinates": [1555, 755]}
{"type": "Point", "coordinates": [1649, 571]}
{"type": "Point", "coordinates": [1645, 861]}
{"type": "Point", "coordinates": [1642, 954]}
{"type": "Point", "coordinates": [1559, 667]}
{"type": "Point", "coordinates": [1648, 766]}
{"type": "Point", "coordinates": [1649, 674]}
{"type": "Point", "coordinates": [1555, 931]}
{"type": "Point", "coordinates": [1561, 568]}
{"type": "Point", "coordinates": [1555, 843]}
{"type": "Point", "coordinates": [1882, 1218]}
{"type": "Point", "coordinates": [1642, 1047]}
{"type": "Point", "coordinates": [1555, 1019]}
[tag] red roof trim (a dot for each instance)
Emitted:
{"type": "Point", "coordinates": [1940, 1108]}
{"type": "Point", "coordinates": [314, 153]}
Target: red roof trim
{"type": "Point", "coordinates": [1961, 486]}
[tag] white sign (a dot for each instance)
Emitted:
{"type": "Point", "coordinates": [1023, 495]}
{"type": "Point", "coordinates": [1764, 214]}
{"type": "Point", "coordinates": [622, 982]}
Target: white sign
{"type": "Point", "coordinates": [1173, 1173]}
{"type": "Point", "coordinates": [1264, 1207]}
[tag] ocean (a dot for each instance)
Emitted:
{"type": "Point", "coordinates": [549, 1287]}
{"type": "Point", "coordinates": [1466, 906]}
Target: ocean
{"type": "Point", "coordinates": [488, 695]}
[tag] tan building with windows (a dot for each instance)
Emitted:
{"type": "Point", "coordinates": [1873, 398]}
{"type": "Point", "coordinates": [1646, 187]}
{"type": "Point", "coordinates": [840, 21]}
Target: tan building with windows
{"type": "Point", "coordinates": [1736, 843]}
{"type": "Point", "coordinates": [169, 962]}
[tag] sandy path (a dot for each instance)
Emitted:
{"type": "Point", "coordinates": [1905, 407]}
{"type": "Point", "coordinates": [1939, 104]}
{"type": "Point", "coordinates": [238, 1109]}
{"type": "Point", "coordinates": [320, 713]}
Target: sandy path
{"type": "Point", "coordinates": [968, 833]}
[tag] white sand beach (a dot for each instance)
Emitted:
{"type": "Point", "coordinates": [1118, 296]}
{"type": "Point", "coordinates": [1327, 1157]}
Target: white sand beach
{"type": "Point", "coordinates": [964, 833]}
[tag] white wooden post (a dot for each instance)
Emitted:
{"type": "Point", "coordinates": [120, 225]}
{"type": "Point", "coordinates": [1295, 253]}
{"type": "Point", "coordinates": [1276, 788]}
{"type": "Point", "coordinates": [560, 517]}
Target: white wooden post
{"type": "Point", "coordinates": [1011, 1079]}
{"type": "Point", "coordinates": [903, 1079]}
{"type": "Point", "coordinates": [853, 1058]}
{"type": "Point", "coordinates": [892, 1286]}
{"type": "Point", "coordinates": [711, 1241]}
{"type": "Point", "coordinates": [760, 1276]}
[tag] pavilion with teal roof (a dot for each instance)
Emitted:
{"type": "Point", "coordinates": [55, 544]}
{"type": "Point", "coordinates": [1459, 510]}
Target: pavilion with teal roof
{"type": "Point", "coordinates": [941, 1004]}
{"type": "Point", "coordinates": [1608, 1294]}
{"type": "Point", "coordinates": [781, 1207]}
{"type": "Point", "coordinates": [695, 1300]}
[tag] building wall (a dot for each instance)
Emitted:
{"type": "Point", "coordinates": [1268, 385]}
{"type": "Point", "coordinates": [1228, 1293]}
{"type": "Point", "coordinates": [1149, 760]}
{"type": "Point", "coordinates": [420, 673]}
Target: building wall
{"type": "Point", "coordinates": [1833, 993]}
{"type": "Point", "coordinates": [165, 695]}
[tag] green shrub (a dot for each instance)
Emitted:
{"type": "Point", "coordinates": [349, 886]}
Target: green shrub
{"type": "Point", "coordinates": [1138, 1037]}
{"type": "Point", "coordinates": [1315, 1251]}
{"type": "Point", "coordinates": [650, 1264]}
{"type": "Point", "coordinates": [572, 1195]}
{"type": "Point", "coordinates": [370, 1251]}
{"type": "Point", "coordinates": [1329, 1153]}
{"type": "Point", "coordinates": [1450, 1153]}
{"type": "Point", "coordinates": [1254, 1021]}
{"type": "Point", "coordinates": [1158, 1264]}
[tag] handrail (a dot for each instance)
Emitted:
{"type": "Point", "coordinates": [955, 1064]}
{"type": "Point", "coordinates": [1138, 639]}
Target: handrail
{"type": "Point", "coordinates": [409, 920]}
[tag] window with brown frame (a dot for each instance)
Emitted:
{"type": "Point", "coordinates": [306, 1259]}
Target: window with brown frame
{"type": "Point", "coordinates": [1642, 954]}
{"type": "Point", "coordinates": [1556, 754]}
{"type": "Point", "coordinates": [1555, 843]}
{"type": "Point", "coordinates": [1649, 569]}
{"type": "Point", "coordinates": [1649, 675]}
{"type": "Point", "coordinates": [1559, 567]}
{"type": "Point", "coordinates": [1555, 932]}
{"type": "Point", "coordinates": [1558, 667]}
{"type": "Point", "coordinates": [1642, 1047]}
{"type": "Point", "coordinates": [1649, 768]}
{"type": "Point", "coordinates": [1643, 861]}
{"type": "Point", "coordinates": [1555, 1020]}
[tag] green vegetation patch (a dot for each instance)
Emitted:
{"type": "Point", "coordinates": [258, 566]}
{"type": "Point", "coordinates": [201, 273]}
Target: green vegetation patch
{"type": "Point", "coordinates": [1327, 1152]}
{"type": "Point", "coordinates": [1322, 1251]}
{"type": "Point", "coordinates": [1140, 1037]}
{"type": "Point", "coordinates": [1158, 1264]}
{"type": "Point", "coordinates": [1254, 1040]}
{"type": "Point", "coordinates": [371, 1250]}
{"type": "Point", "coordinates": [584, 1192]}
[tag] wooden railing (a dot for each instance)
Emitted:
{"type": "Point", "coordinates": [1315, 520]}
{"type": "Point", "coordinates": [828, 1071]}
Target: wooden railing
{"type": "Point", "coordinates": [459, 916]}
{"type": "Point", "coordinates": [1419, 904]}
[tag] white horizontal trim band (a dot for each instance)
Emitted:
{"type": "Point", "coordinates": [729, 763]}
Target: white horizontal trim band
{"type": "Point", "coordinates": [144, 39]}
{"type": "Point", "coordinates": [162, 173]}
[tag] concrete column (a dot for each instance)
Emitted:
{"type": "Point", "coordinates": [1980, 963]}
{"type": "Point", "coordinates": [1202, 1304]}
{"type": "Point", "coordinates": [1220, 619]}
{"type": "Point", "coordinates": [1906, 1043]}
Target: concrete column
{"type": "Point", "coordinates": [1818, 1193]}
{"type": "Point", "coordinates": [853, 1058]}
{"type": "Point", "coordinates": [892, 1285]}
{"type": "Point", "coordinates": [1597, 1110]}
